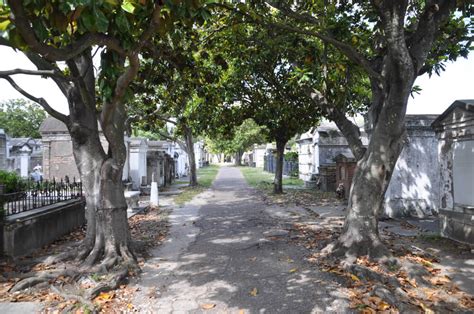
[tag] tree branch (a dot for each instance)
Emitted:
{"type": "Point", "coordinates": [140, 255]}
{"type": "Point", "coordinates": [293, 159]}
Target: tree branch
{"type": "Point", "coordinates": [40, 101]}
{"type": "Point", "coordinates": [350, 131]}
{"type": "Point", "coordinates": [428, 26]}
{"type": "Point", "coordinates": [131, 71]}
{"type": "Point", "coordinates": [51, 53]}
{"type": "Point", "coordinates": [150, 31]}
{"type": "Point", "coordinates": [174, 139]}
{"type": "Point", "coordinates": [48, 73]}
{"type": "Point", "coordinates": [348, 50]}
{"type": "Point", "coordinates": [61, 81]}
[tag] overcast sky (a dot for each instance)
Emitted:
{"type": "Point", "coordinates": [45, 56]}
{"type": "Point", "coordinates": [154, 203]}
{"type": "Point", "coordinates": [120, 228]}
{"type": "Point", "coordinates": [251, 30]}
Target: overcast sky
{"type": "Point", "coordinates": [437, 92]}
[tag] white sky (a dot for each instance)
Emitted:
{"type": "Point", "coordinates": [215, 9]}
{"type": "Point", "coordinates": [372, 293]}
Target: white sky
{"type": "Point", "coordinates": [437, 92]}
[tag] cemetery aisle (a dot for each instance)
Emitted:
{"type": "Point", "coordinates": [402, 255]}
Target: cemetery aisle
{"type": "Point", "coordinates": [225, 253]}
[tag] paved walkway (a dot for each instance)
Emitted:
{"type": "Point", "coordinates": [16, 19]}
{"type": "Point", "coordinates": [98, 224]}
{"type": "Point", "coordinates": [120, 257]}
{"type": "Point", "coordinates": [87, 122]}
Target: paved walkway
{"type": "Point", "coordinates": [219, 256]}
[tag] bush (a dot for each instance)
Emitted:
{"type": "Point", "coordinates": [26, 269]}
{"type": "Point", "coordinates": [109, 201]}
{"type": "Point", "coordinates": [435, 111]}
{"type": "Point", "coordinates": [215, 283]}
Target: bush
{"type": "Point", "coordinates": [291, 156]}
{"type": "Point", "coordinates": [11, 180]}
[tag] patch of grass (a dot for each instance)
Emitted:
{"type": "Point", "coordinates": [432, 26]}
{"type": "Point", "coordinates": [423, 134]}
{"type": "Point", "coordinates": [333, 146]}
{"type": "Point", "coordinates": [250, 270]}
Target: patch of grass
{"type": "Point", "coordinates": [293, 181]}
{"type": "Point", "coordinates": [96, 277]}
{"type": "Point", "coordinates": [260, 179]}
{"type": "Point", "coordinates": [188, 194]}
{"type": "Point", "coordinates": [181, 181]}
{"type": "Point", "coordinates": [205, 176]}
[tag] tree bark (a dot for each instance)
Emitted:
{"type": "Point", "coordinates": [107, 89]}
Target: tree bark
{"type": "Point", "coordinates": [107, 236]}
{"type": "Point", "coordinates": [238, 158]}
{"type": "Point", "coordinates": [188, 137]}
{"type": "Point", "coordinates": [396, 71]}
{"type": "Point", "coordinates": [278, 182]}
{"type": "Point", "coordinates": [374, 170]}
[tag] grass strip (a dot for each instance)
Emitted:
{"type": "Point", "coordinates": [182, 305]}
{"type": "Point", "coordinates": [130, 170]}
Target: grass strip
{"type": "Point", "coordinates": [260, 179]}
{"type": "Point", "coordinates": [205, 176]}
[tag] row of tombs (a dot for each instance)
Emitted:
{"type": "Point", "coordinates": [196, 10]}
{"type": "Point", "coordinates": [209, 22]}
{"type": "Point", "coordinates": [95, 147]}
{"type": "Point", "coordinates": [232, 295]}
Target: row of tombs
{"type": "Point", "coordinates": [58, 206]}
{"type": "Point", "coordinates": [147, 160]}
{"type": "Point", "coordinates": [434, 174]}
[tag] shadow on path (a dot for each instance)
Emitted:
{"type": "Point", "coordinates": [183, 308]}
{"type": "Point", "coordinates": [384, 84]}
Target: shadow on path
{"type": "Point", "coordinates": [217, 255]}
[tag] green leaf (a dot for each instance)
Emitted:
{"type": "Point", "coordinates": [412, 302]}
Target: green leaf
{"type": "Point", "coordinates": [4, 25]}
{"type": "Point", "coordinates": [101, 21]}
{"type": "Point", "coordinates": [88, 20]}
{"type": "Point", "coordinates": [122, 22]}
{"type": "Point", "coordinates": [128, 6]}
{"type": "Point", "coordinates": [112, 2]}
{"type": "Point", "coordinates": [40, 30]}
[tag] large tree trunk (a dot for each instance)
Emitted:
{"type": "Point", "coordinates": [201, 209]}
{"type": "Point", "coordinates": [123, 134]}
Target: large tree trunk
{"type": "Point", "coordinates": [278, 181]}
{"type": "Point", "coordinates": [188, 136]}
{"type": "Point", "coordinates": [112, 238]}
{"type": "Point", "coordinates": [375, 168]}
{"type": "Point", "coordinates": [238, 158]}
{"type": "Point", "coordinates": [360, 232]}
{"type": "Point", "coordinates": [391, 85]}
{"type": "Point", "coordinates": [107, 236]}
{"type": "Point", "coordinates": [89, 157]}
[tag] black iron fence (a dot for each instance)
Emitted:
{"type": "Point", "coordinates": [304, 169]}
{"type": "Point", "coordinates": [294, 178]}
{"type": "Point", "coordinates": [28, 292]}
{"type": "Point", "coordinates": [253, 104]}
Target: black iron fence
{"type": "Point", "coordinates": [290, 168]}
{"type": "Point", "coordinates": [31, 195]}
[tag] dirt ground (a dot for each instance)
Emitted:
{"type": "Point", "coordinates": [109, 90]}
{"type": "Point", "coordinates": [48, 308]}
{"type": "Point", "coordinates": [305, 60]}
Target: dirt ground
{"type": "Point", "coordinates": [148, 230]}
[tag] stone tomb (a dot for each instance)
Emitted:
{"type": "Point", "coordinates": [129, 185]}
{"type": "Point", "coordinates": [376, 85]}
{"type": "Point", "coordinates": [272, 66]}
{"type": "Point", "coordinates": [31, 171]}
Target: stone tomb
{"type": "Point", "coordinates": [455, 131]}
{"type": "Point", "coordinates": [414, 185]}
{"type": "Point", "coordinates": [58, 158]}
{"type": "Point", "coordinates": [345, 167]}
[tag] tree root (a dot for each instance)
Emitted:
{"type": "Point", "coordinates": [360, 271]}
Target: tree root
{"type": "Point", "coordinates": [348, 254]}
{"type": "Point", "coordinates": [367, 274]}
{"type": "Point", "coordinates": [42, 277]}
{"type": "Point", "coordinates": [50, 260]}
{"type": "Point", "coordinates": [115, 280]}
{"type": "Point", "coordinates": [68, 296]}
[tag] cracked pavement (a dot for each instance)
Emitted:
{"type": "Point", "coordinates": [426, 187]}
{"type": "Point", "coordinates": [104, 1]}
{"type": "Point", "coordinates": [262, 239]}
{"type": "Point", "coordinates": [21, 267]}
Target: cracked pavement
{"type": "Point", "coordinates": [227, 253]}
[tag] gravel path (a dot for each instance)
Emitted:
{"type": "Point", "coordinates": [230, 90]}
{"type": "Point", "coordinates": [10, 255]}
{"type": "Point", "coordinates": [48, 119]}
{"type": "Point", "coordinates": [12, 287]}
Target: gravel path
{"type": "Point", "coordinates": [226, 254]}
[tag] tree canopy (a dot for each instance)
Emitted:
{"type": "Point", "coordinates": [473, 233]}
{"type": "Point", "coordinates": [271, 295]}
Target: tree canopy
{"type": "Point", "coordinates": [242, 138]}
{"type": "Point", "coordinates": [21, 118]}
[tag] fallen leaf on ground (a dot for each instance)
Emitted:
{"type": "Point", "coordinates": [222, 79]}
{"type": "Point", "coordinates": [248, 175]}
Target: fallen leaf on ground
{"type": "Point", "coordinates": [105, 296]}
{"type": "Point", "coordinates": [354, 277]}
{"type": "Point", "coordinates": [426, 309]}
{"type": "Point", "coordinates": [254, 292]}
{"type": "Point", "coordinates": [293, 270]}
{"type": "Point", "coordinates": [208, 306]}
{"type": "Point", "coordinates": [439, 281]}
{"type": "Point", "coordinates": [382, 306]}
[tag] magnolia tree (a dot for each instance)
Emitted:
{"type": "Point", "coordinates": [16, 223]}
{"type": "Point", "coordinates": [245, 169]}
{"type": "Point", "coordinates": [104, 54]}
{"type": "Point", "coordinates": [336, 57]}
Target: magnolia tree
{"type": "Point", "coordinates": [177, 86]}
{"type": "Point", "coordinates": [263, 84]}
{"type": "Point", "coordinates": [242, 138]}
{"type": "Point", "coordinates": [61, 39]}
{"type": "Point", "coordinates": [393, 42]}
{"type": "Point", "coordinates": [21, 118]}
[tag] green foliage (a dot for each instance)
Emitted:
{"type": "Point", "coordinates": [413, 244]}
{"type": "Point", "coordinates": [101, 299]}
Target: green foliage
{"type": "Point", "coordinates": [20, 118]}
{"type": "Point", "coordinates": [260, 179]}
{"type": "Point", "coordinates": [11, 180]}
{"type": "Point", "coordinates": [240, 140]}
{"type": "Point", "coordinates": [260, 82]}
{"type": "Point", "coordinates": [60, 24]}
{"type": "Point", "coordinates": [177, 82]}
{"type": "Point", "coordinates": [291, 156]}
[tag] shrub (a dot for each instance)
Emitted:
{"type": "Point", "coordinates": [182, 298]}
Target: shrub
{"type": "Point", "coordinates": [11, 180]}
{"type": "Point", "coordinates": [291, 156]}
